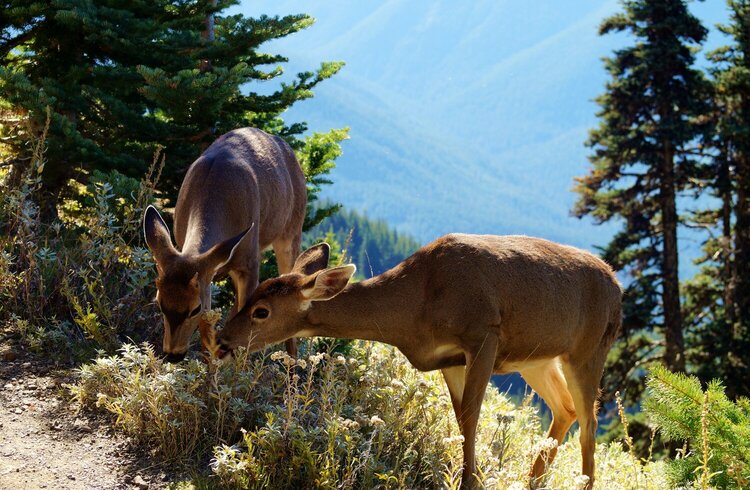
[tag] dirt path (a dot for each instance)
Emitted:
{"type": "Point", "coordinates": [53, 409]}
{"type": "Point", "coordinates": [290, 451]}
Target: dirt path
{"type": "Point", "coordinates": [45, 445]}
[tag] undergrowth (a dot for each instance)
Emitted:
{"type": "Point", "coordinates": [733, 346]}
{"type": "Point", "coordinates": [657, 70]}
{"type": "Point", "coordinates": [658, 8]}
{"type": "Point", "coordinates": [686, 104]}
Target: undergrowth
{"type": "Point", "coordinates": [368, 420]}
{"type": "Point", "coordinates": [82, 281]}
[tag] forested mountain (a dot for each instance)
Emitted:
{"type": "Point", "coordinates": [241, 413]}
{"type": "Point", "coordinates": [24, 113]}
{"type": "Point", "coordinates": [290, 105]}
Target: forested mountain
{"type": "Point", "coordinates": [464, 116]}
{"type": "Point", "coordinates": [371, 244]}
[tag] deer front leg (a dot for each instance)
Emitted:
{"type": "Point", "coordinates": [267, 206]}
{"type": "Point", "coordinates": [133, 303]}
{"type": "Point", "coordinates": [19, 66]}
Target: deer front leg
{"type": "Point", "coordinates": [479, 366]}
{"type": "Point", "coordinates": [455, 377]}
{"type": "Point", "coordinates": [286, 251]}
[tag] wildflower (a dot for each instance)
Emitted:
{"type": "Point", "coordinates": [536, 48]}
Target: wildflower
{"type": "Point", "coordinates": [285, 358]}
{"type": "Point", "coordinates": [212, 316]}
{"type": "Point", "coordinates": [302, 363]}
{"type": "Point", "coordinates": [397, 384]}
{"type": "Point", "coordinates": [316, 358]}
{"type": "Point", "coordinates": [376, 421]}
{"type": "Point", "coordinates": [452, 440]}
{"type": "Point", "coordinates": [580, 481]}
{"type": "Point", "coordinates": [546, 445]}
{"type": "Point", "coordinates": [350, 425]}
{"type": "Point", "coordinates": [339, 360]}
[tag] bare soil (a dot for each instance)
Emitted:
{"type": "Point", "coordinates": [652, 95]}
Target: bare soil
{"type": "Point", "coordinates": [46, 444]}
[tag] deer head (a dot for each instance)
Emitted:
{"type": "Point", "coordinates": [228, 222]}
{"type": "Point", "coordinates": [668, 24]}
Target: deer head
{"type": "Point", "coordinates": [278, 308]}
{"type": "Point", "coordinates": [183, 281]}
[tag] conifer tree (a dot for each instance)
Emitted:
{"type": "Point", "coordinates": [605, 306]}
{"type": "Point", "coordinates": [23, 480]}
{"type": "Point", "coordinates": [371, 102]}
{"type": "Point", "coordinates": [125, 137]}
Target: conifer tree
{"type": "Point", "coordinates": [718, 298]}
{"type": "Point", "coordinates": [641, 162]}
{"type": "Point", "coordinates": [716, 429]}
{"type": "Point", "coordinates": [124, 79]}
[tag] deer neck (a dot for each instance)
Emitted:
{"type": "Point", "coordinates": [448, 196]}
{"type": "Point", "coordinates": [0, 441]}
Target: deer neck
{"type": "Point", "coordinates": [375, 309]}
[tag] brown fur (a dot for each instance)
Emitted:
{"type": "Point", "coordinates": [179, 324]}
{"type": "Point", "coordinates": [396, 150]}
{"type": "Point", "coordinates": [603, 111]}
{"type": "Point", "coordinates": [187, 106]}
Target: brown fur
{"type": "Point", "coordinates": [470, 306]}
{"type": "Point", "coordinates": [246, 181]}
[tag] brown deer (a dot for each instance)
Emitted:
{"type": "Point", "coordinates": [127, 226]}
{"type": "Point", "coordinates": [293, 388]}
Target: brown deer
{"type": "Point", "coordinates": [246, 192]}
{"type": "Point", "coordinates": [470, 306]}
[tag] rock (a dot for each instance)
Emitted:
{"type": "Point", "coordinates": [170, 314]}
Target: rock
{"type": "Point", "coordinates": [18, 411]}
{"type": "Point", "coordinates": [71, 476]}
{"type": "Point", "coordinates": [9, 356]}
{"type": "Point", "coordinates": [140, 482]}
{"type": "Point", "coordinates": [81, 425]}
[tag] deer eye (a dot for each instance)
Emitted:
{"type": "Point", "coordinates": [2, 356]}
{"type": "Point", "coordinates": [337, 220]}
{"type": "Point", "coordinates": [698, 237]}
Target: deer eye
{"type": "Point", "coordinates": [261, 313]}
{"type": "Point", "coordinates": [195, 311]}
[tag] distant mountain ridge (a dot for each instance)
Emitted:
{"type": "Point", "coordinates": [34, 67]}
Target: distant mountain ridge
{"type": "Point", "coordinates": [372, 245]}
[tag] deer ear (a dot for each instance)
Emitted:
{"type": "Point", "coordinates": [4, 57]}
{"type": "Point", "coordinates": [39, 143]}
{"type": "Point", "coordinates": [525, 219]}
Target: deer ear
{"type": "Point", "coordinates": [312, 260]}
{"type": "Point", "coordinates": [157, 236]}
{"type": "Point", "coordinates": [329, 283]}
{"type": "Point", "coordinates": [220, 255]}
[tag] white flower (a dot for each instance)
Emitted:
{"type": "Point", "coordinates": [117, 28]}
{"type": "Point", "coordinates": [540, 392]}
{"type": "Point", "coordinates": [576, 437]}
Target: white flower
{"type": "Point", "coordinates": [376, 421]}
{"type": "Point", "coordinates": [546, 445]}
{"type": "Point", "coordinates": [285, 358]}
{"type": "Point", "coordinates": [580, 481]}
{"type": "Point", "coordinates": [350, 425]}
{"type": "Point", "coordinates": [339, 360]}
{"type": "Point", "coordinates": [397, 384]}
{"type": "Point", "coordinates": [453, 440]}
{"type": "Point", "coordinates": [302, 363]}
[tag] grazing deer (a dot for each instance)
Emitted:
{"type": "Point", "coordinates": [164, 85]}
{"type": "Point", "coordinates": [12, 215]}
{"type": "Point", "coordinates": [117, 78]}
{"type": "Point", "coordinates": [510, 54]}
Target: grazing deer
{"type": "Point", "coordinates": [246, 192]}
{"type": "Point", "coordinates": [470, 306]}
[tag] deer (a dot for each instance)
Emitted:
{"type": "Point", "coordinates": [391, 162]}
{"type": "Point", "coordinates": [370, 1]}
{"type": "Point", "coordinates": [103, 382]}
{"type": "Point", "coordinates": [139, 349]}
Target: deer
{"type": "Point", "coordinates": [245, 193]}
{"type": "Point", "coordinates": [470, 306]}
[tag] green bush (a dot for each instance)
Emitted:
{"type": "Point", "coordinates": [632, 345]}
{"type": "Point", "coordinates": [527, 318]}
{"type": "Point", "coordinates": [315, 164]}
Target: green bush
{"type": "Point", "coordinates": [715, 430]}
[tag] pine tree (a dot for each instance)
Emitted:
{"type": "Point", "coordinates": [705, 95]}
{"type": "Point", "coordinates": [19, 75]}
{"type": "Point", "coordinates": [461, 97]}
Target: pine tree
{"type": "Point", "coordinates": [124, 80]}
{"type": "Point", "coordinates": [718, 298]}
{"type": "Point", "coordinates": [716, 429]}
{"type": "Point", "coordinates": [642, 161]}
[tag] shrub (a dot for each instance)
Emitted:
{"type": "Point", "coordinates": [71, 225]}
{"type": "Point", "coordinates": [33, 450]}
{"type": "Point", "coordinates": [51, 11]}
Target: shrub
{"type": "Point", "coordinates": [83, 280]}
{"type": "Point", "coordinates": [328, 421]}
{"type": "Point", "coordinates": [715, 430]}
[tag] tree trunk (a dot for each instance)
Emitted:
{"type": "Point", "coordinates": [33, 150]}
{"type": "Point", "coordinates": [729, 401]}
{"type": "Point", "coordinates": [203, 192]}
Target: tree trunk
{"type": "Point", "coordinates": [728, 270]}
{"type": "Point", "coordinates": [208, 36]}
{"type": "Point", "coordinates": [674, 357]}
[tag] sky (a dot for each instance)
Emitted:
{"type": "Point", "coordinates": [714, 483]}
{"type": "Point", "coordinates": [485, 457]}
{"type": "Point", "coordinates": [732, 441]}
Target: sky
{"type": "Point", "coordinates": [463, 116]}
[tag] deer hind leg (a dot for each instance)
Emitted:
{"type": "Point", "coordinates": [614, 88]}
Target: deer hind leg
{"type": "Point", "coordinates": [583, 379]}
{"type": "Point", "coordinates": [548, 382]}
{"type": "Point", "coordinates": [479, 366]}
{"type": "Point", "coordinates": [286, 251]}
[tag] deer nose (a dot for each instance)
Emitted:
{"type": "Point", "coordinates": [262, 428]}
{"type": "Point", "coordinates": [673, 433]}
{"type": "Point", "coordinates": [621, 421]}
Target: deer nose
{"type": "Point", "coordinates": [173, 357]}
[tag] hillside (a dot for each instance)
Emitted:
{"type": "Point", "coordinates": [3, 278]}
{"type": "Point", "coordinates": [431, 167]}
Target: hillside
{"type": "Point", "coordinates": [462, 118]}
{"type": "Point", "coordinates": [370, 244]}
